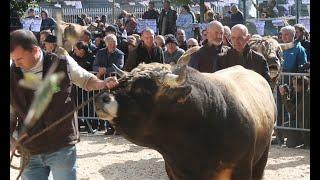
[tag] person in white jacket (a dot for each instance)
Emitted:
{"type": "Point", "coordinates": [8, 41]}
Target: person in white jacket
{"type": "Point", "coordinates": [185, 20]}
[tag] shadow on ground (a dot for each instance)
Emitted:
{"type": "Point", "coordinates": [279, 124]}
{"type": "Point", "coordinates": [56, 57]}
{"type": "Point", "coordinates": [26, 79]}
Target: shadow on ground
{"type": "Point", "coordinates": [135, 170]}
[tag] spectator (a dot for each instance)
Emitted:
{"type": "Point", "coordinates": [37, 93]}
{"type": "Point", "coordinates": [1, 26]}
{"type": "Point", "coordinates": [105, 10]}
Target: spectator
{"type": "Point", "coordinates": [43, 35]}
{"type": "Point", "coordinates": [295, 56]}
{"type": "Point", "coordinates": [167, 20]}
{"type": "Point", "coordinates": [241, 54]}
{"type": "Point", "coordinates": [132, 43]}
{"type": "Point", "coordinates": [99, 42]}
{"type": "Point", "coordinates": [204, 39]}
{"type": "Point", "coordinates": [227, 36]}
{"type": "Point", "coordinates": [146, 51]}
{"type": "Point", "coordinates": [131, 26]}
{"type": "Point", "coordinates": [173, 52]}
{"type": "Point", "coordinates": [97, 19]}
{"type": "Point", "coordinates": [120, 26]}
{"type": "Point", "coordinates": [50, 45]}
{"type": "Point", "coordinates": [47, 22]}
{"type": "Point", "coordinates": [81, 21]}
{"type": "Point", "coordinates": [197, 33]}
{"type": "Point", "coordinates": [297, 102]}
{"type": "Point", "coordinates": [301, 37]}
{"type": "Point", "coordinates": [86, 37]}
{"type": "Point", "coordinates": [293, 59]}
{"type": "Point", "coordinates": [160, 42]}
{"type": "Point", "coordinates": [101, 27]}
{"type": "Point", "coordinates": [192, 43]}
{"type": "Point", "coordinates": [185, 21]}
{"type": "Point", "coordinates": [107, 56]}
{"type": "Point", "coordinates": [236, 16]}
{"type": "Point", "coordinates": [88, 20]}
{"type": "Point", "coordinates": [124, 15]}
{"type": "Point", "coordinates": [181, 39]}
{"type": "Point", "coordinates": [82, 55]}
{"type": "Point", "coordinates": [122, 42]}
{"type": "Point", "coordinates": [55, 150]}
{"type": "Point", "coordinates": [103, 65]}
{"type": "Point", "coordinates": [151, 13]}
{"type": "Point", "coordinates": [104, 20]}
{"type": "Point", "coordinates": [205, 59]}
{"type": "Point", "coordinates": [270, 11]}
{"type": "Point", "coordinates": [209, 17]}
{"type": "Point", "coordinates": [138, 38]}
{"type": "Point", "coordinates": [31, 14]}
{"type": "Point", "coordinates": [207, 11]}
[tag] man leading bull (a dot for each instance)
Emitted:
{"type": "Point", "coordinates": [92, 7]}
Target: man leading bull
{"type": "Point", "coordinates": [54, 150]}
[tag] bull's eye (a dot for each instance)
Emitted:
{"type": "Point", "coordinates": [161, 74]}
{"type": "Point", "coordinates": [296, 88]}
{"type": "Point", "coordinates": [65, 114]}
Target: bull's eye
{"type": "Point", "coordinates": [106, 99]}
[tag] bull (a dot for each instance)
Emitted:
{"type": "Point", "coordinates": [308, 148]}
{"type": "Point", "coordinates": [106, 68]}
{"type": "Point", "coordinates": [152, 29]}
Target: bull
{"type": "Point", "coordinates": [206, 126]}
{"type": "Point", "coordinates": [272, 51]}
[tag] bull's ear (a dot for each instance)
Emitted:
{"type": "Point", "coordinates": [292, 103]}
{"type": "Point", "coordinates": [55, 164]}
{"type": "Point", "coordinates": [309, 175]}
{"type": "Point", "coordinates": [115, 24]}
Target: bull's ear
{"type": "Point", "coordinates": [180, 94]}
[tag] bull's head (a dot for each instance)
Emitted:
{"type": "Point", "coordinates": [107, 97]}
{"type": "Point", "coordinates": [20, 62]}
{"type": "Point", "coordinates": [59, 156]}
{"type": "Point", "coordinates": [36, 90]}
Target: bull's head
{"type": "Point", "coordinates": [272, 51]}
{"type": "Point", "coordinates": [132, 106]}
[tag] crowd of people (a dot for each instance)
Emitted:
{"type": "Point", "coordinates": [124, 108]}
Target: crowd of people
{"type": "Point", "coordinates": [220, 45]}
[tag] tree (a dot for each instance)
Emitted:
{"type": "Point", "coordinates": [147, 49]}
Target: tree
{"type": "Point", "coordinates": [20, 6]}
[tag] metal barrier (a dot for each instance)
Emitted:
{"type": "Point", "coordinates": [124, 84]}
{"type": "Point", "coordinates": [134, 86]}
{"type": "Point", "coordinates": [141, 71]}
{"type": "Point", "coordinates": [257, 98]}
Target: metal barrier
{"type": "Point", "coordinates": [298, 119]}
{"type": "Point", "coordinates": [293, 110]}
{"type": "Point", "coordinates": [70, 14]}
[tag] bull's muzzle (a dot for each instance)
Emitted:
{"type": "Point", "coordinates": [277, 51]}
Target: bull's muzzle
{"type": "Point", "coordinates": [106, 107]}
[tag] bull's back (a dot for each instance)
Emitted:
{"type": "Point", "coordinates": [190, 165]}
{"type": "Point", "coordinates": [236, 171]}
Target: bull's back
{"type": "Point", "coordinates": [251, 89]}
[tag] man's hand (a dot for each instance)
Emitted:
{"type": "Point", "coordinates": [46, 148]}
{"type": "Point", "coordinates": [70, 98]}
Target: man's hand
{"type": "Point", "coordinates": [102, 70]}
{"type": "Point", "coordinates": [111, 82]}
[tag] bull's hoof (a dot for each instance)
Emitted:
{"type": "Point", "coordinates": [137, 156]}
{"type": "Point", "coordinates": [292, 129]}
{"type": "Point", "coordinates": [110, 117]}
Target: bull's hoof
{"type": "Point", "coordinates": [109, 132]}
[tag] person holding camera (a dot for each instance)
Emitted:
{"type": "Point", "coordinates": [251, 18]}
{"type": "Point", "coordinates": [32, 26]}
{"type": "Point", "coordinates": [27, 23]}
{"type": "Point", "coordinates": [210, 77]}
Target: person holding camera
{"type": "Point", "coordinates": [297, 103]}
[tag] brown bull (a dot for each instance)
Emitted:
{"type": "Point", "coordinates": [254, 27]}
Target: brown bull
{"type": "Point", "coordinates": [207, 126]}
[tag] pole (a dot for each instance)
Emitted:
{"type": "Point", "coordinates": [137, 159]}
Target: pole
{"type": "Point", "coordinates": [297, 10]}
{"type": "Point", "coordinates": [257, 12]}
{"type": "Point", "coordinates": [201, 11]}
{"type": "Point", "coordinates": [113, 15]}
{"type": "Point", "coordinates": [244, 10]}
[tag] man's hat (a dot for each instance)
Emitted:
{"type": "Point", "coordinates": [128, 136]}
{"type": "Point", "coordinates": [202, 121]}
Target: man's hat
{"type": "Point", "coordinates": [171, 39]}
{"type": "Point", "coordinates": [51, 39]}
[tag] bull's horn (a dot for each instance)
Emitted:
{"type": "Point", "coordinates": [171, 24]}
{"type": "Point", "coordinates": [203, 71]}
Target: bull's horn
{"type": "Point", "coordinates": [119, 71]}
{"type": "Point", "coordinates": [174, 80]}
{"type": "Point", "coordinates": [285, 46]}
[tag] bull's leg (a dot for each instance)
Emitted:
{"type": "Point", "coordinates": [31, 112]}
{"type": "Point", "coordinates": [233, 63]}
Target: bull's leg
{"type": "Point", "coordinates": [258, 169]}
{"type": "Point", "coordinates": [169, 171]}
{"type": "Point", "coordinates": [243, 169]}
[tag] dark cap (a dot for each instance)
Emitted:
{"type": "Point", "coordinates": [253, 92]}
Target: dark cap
{"type": "Point", "coordinates": [171, 39]}
{"type": "Point", "coordinates": [51, 39]}
{"type": "Point", "coordinates": [111, 28]}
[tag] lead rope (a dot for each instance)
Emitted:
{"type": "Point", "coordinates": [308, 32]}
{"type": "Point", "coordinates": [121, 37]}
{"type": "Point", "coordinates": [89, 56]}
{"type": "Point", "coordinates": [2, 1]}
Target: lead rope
{"type": "Point", "coordinates": [24, 153]}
